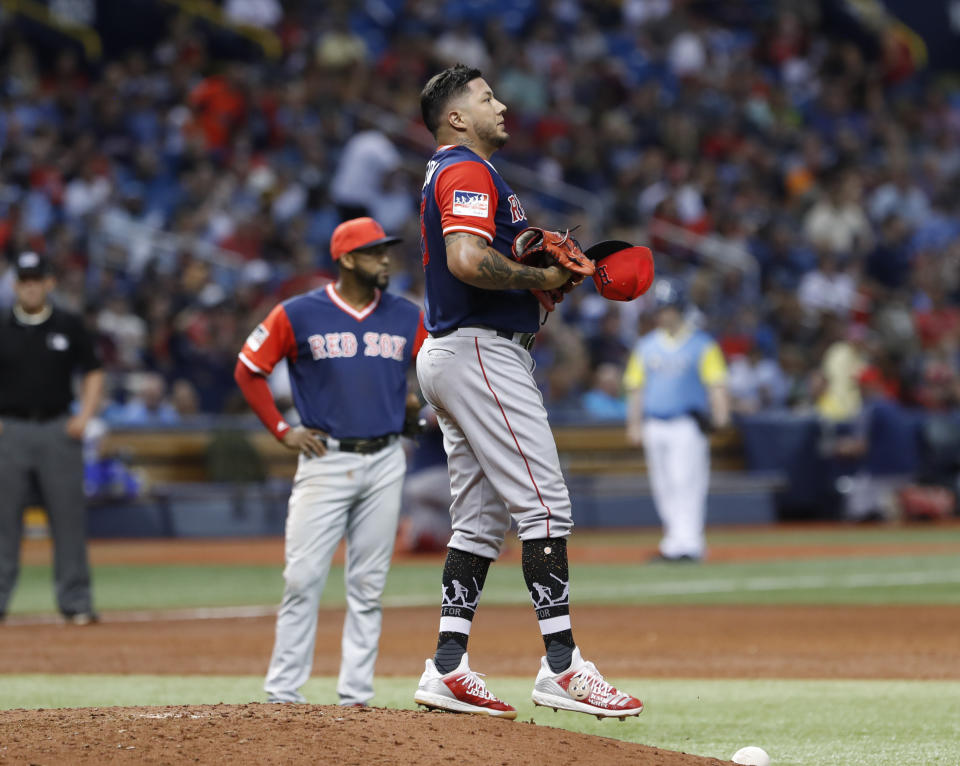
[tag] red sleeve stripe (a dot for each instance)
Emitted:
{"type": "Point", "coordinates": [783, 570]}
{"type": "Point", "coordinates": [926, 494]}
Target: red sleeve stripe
{"type": "Point", "coordinates": [250, 365]}
{"type": "Point", "coordinates": [485, 234]}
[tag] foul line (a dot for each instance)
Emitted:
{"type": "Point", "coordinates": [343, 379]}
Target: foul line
{"type": "Point", "coordinates": [729, 585]}
{"type": "Point", "coordinates": [792, 582]}
{"type": "Point", "coordinates": [594, 592]}
{"type": "Point", "coordinates": [158, 615]}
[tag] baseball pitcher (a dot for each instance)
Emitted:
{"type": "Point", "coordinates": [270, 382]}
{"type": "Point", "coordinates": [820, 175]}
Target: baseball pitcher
{"type": "Point", "coordinates": [487, 275]}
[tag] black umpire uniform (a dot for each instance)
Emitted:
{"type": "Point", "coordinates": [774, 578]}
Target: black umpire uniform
{"type": "Point", "coordinates": [41, 347]}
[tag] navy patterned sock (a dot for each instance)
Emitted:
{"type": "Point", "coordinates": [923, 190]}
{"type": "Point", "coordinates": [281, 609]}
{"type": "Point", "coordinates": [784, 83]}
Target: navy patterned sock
{"type": "Point", "coordinates": [463, 577]}
{"type": "Point", "coordinates": [450, 649]}
{"type": "Point", "coordinates": [547, 575]}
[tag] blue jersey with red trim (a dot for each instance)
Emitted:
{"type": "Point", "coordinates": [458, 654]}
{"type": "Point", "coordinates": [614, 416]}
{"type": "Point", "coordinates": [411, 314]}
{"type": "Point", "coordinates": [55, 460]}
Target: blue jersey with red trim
{"type": "Point", "coordinates": [463, 192]}
{"type": "Point", "coordinates": [348, 367]}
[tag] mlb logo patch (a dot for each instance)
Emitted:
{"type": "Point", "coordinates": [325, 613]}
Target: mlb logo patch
{"type": "Point", "coordinates": [471, 203]}
{"type": "Point", "coordinates": [257, 337]}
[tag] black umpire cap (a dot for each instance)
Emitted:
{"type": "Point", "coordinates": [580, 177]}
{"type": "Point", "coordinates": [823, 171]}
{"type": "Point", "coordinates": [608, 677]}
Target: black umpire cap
{"type": "Point", "coordinates": [31, 265]}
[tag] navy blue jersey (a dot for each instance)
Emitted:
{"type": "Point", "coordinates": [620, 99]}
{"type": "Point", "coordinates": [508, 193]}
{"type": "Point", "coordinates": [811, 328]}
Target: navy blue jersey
{"type": "Point", "coordinates": [348, 368]}
{"type": "Point", "coordinates": [464, 192]}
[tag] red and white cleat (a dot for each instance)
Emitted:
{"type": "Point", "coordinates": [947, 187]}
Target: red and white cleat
{"type": "Point", "coordinates": [582, 689]}
{"type": "Point", "coordinates": [459, 691]}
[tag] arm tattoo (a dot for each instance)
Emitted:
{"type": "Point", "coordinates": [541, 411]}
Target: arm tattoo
{"type": "Point", "coordinates": [449, 239]}
{"type": "Point", "coordinates": [496, 271]}
{"type": "Point", "coordinates": [507, 274]}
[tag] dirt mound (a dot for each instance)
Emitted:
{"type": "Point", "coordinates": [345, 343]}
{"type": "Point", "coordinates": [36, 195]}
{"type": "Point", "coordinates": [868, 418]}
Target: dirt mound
{"type": "Point", "coordinates": [292, 734]}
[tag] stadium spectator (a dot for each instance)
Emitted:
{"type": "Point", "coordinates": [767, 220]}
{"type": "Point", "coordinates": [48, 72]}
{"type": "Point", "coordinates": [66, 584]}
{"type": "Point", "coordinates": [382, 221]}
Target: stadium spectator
{"type": "Point", "coordinates": [837, 223]}
{"type": "Point", "coordinates": [899, 194]}
{"type": "Point", "coordinates": [367, 160]}
{"type": "Point", "coordinates": [843, 363]}
{"type": "Point", "coordinates": [147, 403]}
{"type": "Point", "coordinates": [184, 398]}
{"type": "Point", "coordinates": [604, 400]}
{"type": "Point", "coordinates": [828, 288]}
{"type": "Point", "coordinates": [755, 382]}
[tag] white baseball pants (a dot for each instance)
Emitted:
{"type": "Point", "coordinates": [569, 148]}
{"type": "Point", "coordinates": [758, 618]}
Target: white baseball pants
{"type": "Point", "coordinates": [678, 463]}
{"type": "Point", "coordinates": [338, 495]}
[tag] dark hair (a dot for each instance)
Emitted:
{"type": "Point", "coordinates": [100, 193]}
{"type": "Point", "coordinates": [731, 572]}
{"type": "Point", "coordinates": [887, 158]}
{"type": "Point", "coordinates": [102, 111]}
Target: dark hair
{"type": "Point", "coordinates": [442, 87]}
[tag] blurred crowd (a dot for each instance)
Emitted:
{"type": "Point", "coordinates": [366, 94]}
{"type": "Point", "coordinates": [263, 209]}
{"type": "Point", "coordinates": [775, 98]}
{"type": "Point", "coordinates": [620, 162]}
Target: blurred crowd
{"type": "Point", "coordinates": [800, 179]}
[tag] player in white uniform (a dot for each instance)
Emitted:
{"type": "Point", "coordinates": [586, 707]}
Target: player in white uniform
{"type": "Point", "coordinates": [475, 370]}
{"type": "Point", "coordinates": [349, 347]}
{"type": "Point", "coordinates": [675, 380]}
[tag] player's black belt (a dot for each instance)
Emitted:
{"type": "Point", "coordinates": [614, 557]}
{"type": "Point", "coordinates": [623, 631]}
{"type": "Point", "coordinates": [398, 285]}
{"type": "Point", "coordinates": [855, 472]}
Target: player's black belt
{"type": "Point", "coordinates": [361, 446]}
{"type": "Point", "coordinates": [522, 339]}
{"type": "Point", "coordinates": [37, 416]}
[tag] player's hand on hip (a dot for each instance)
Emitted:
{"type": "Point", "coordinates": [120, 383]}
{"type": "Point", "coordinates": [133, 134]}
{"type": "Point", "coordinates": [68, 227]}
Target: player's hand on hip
{"type": "Point", "coordinates": [300, 439]}
{"type": "Point", "coordinates": [75, 427]}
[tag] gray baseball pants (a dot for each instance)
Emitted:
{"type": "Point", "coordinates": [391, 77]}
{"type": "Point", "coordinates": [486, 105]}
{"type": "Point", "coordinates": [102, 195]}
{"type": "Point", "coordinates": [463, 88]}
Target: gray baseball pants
{"type": "Point", "coordinates": [501, 454]}
{"type": "Point", "coordinates": [338, 496]}
{"type": "Point", "coordinates": [44, 450]}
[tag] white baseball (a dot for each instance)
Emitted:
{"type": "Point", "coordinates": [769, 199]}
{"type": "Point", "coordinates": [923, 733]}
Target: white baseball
{"type": "Point", "coordinates": [751, 756]}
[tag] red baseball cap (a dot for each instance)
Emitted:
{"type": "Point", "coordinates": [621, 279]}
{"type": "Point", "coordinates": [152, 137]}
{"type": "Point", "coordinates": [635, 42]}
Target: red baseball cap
{"type": "Point", "coordinates": [358, 234]}
{"type": "Point", "coordinates": [624, 271]}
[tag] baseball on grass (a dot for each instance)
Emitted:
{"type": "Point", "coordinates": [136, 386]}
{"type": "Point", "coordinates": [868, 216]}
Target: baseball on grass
{"type": "Point", "coordinates": [751, 756]}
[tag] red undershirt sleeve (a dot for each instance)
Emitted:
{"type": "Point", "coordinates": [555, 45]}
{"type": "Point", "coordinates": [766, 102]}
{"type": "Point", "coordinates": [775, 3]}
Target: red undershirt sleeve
{"type": "Point", "coordinates": [272, 340]}
{"type": "Point", "coordinates": [256, 391]}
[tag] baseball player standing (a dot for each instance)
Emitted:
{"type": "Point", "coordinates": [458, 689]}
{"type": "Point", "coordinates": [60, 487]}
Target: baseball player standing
{"type": "Point", "coordinates": [40, 349]}
{"type": "Point", "coordinates": [475, 370]}
{"type": "Point", "coordinates": [676, 392]}
{"type": "Point", "coordinates": [349, 347]}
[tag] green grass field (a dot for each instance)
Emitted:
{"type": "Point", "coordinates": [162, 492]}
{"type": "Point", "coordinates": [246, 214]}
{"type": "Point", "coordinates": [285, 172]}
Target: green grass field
{"type": "Point", "coordinates": [931, 579]}
{"type": "Point", "coordinates": [850, 722]}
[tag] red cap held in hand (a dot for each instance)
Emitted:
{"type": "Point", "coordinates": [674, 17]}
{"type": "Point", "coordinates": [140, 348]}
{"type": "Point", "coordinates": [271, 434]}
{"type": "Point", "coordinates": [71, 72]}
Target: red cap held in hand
{"type": "Point", "coordinates": [624, 272]}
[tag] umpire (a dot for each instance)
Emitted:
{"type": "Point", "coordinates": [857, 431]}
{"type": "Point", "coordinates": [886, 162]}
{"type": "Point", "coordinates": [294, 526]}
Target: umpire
{"type": "Point", "coordinates": [40, 441]}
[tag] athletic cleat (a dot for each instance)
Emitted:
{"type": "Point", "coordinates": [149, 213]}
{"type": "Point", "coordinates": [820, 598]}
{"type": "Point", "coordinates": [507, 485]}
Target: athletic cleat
{"type": "Point", "coordinates": [81, 618]}
{"type": "Point", "coordinates": [581, 689]}
{"type": "Point", "coordinates": [290, 698]}
{"type": "Point", "coordinates": [459, 691]}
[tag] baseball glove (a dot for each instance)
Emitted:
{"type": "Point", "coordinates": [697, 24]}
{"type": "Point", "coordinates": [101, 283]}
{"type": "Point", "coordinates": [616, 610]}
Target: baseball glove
{"type": "Point", "coordinates": [543, 248]}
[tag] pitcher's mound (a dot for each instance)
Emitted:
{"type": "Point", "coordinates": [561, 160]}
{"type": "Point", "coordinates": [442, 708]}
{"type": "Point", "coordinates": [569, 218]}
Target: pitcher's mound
{"type": "Point", "coordinates": [306, 734]}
